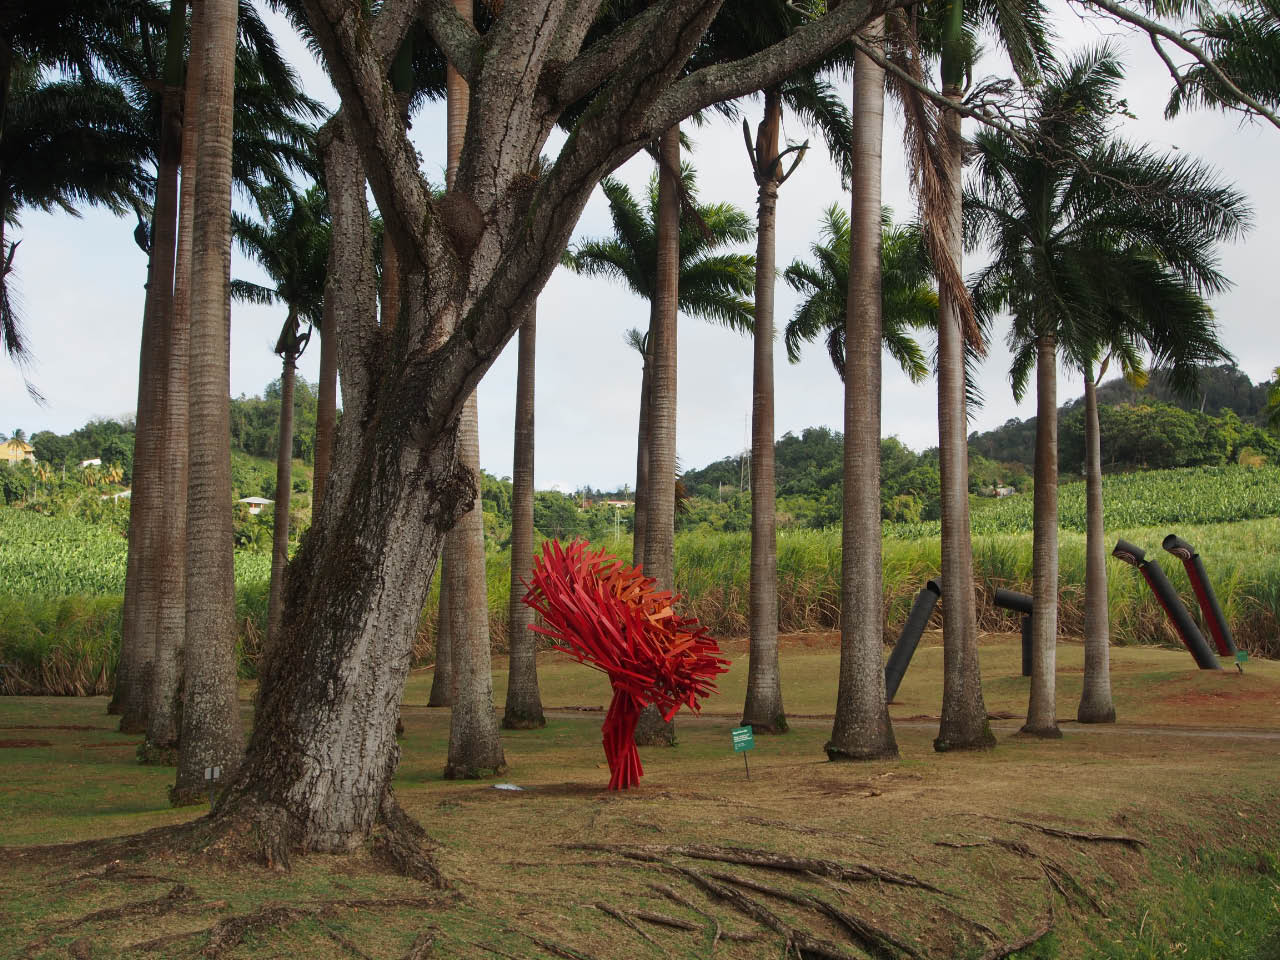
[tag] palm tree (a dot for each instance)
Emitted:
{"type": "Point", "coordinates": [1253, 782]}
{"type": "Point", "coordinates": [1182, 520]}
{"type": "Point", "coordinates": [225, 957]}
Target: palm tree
{"type": "Point", "coordinates": [686, 275]}
{"type": "Point", "coordinates": [210, 715]}
{"type": "Point", "coordinates": [1084, 228]}
{"type": "Point", "coordinates": [713, 286]}
{"type": "Point", "coordinates": [474, 744]}
{"type": "Point", "coordinates": [292, 246]}
{"type": "Point", "coordinates": [1243, 42]}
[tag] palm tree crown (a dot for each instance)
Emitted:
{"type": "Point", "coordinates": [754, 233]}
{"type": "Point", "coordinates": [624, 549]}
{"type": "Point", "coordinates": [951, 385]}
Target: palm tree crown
{"type": "Point", "coordinates": [910, 300]}
{"type": "Point", "coordinates": [292, 247]}
{"type": "Point", "coordinates": [1085, 227]}
{"type": "Point", "coordinates": [713, 286]}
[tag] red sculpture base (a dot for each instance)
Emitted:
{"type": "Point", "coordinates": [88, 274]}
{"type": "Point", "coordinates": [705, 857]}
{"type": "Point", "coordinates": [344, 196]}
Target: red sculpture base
{"type": "Point", "coordinates": [619, 730]}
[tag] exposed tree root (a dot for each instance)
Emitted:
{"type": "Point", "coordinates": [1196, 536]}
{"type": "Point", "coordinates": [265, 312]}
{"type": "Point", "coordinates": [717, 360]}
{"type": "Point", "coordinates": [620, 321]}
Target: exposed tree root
{"type": "Point", "coordinates": [1134, 843]}
{"type": "Point", "coordinates": [766, 859]}
{"type": "Point", "coordinates": [115, 870]}
{"type": "Point", "coordinates": [422, 946]}
{"type": "Point", "coordinates": [626, 921]}
{"type": "Point", "coordinates": [559, 949]}
{"type": "Point", "coordinates": [662, 920]}
{"type": "Point", "coordinates": [144, 908]}
{"type": "Point", "coordinates": [802, 943]}
{"type": "Point", "coordinates": [676, 897]}
{"type": "Point", "coordinates": [876, 941]}
{"type": "Point", "coordinates": [1002, 950]}
{"type": "Point", "coordinates": [400, 841]}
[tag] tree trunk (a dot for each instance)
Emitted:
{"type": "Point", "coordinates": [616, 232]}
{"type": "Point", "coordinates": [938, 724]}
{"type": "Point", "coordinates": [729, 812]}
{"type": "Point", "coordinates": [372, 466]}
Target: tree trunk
{"type": "Point", "coordinates": [284, 482]}
{"type": "Point", "coordinates": [1096, 705]}
{"type": "Point", "coordinates": [524, 704]}
{"type": "Point", "coordinates": [862, 730]}
{"type": "Point", "coordinates": [164, 719]}
{"type": "Point", "coordinates": [660, 529]}
{"type": "Point", "coordinates": [640, 524]}
{"type": "Point", "coordinates": [964, 723]}
{"type": "Point", "coordinates": [1042, 719]}
{"type": "Point", "coordinates": [442, 676]}
{"type": "Point", "coordinates": [326, 407]}
{"type": "Point", "coordinates": [142, 576]}
{"type": "Point", "coordinates": [763, 707]}
{"type": "Point", "coordinates": [211, 732]}
{"type": "Point", "coordinates": [474, 747]}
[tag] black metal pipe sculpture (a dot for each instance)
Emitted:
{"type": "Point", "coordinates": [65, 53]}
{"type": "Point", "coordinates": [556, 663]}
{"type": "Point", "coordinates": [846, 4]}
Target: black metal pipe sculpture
{"type": "Point", "coordinates": [1155, 576]}
{"type": "Point", "coordinates": [1018, 603]}
{"type": "Point", "coordinates": [905, 648]}
{"type": "Point", "coordinates": [1205, 596]}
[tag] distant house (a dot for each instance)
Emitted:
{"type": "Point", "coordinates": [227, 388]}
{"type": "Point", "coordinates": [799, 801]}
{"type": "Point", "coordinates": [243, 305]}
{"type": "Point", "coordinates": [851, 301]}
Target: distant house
{"type": "Point", "coordinates": [1005, 491]}
{"type": "Point", "coordinates": [95, 462]}
{"type": "Point", "coordinates": [15, 451]}
{"type": "Point", "coordinates": [619, 503]}
{"type": "Point", "coordinates": [256, 503]}
{"type": "Point", "coordinates": [125, 494]}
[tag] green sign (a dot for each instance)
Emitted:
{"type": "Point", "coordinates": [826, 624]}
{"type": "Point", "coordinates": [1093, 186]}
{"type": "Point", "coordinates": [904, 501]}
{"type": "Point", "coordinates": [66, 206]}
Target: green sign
{"type": "Point", "coordinates": [1242, 656]}
{"type": "Point", "coordinates": [743, 739]}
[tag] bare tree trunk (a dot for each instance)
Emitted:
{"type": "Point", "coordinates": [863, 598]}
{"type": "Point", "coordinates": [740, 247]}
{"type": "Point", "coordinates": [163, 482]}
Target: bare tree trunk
{"type": "Point", "coordinates": [164, 719]}
{"type": "Point", "coordinates": [211, 732]}
{"type": "Point", "coordinates": [142, 574]}
{"type": "Point", "coordinates": [660, 529]}
{"type": "Point", "coordinates": [524, 704]}
{"type": "Point", "coordinates": [475, 749]}
{"type": "Point", "coordinates": [1042, 719]}
{"type": "Point", "coordinates": [442, 684]}
{"type": "Point", "coordinates": [326, 406]}
{"type": "Point", "coordinates": [474, 746]}
{"type": "Point", "coordinates": [964, 723]}
{"type": "Point", "coordinates": [1096, 705]}
{"type": "Point", "coordinates": [763, 707]}
{"type": "Point", "coordinates": [862, 730]}
{"type": "Point", "coordinates": [284, 481]}
{"type": "Point", "coordinates": [640, 523]}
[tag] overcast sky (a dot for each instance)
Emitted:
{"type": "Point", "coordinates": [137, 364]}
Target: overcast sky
{"type": "Point", "coordinates": [80, 286]}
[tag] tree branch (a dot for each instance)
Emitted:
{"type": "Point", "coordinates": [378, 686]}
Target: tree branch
{"type": "Point", "coordinates": [457, 39]}
{"type": "Point", "coordinates": [602, 58]}
{"type": "Point", "coordinates": [945, 102]}
{"type": "Point", "coordinates": [1181, 42]}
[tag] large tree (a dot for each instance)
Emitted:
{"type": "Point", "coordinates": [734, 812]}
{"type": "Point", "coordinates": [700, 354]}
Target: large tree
{"type": "Point", "coordinates": [1082, 225]}
{"type": "Point", "coordinates": [319, 764]}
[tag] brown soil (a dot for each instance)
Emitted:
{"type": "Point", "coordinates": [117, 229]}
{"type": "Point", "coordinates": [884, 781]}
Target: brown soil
{"type": "Point", "coordinates": [15, 744]}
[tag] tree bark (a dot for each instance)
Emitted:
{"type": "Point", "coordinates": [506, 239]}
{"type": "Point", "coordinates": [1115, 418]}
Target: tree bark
{"type": "Point", "coordinates": [1096, 705]}
{"type": "Point", "coordinates": [442, 684]}
{"type": "Point", "coordinates": [164, 718]}
{"type": "Point", "coordinates": [474, 746]}
{"type": "Point", "coordinates": [1042, 720]}
{"type": "Point", "coordinates": [964, 723]}
{"type": "Point", "coordinates": [524, 704]}
{"type": "Point", "coordinates": [763, 707]}
{"type": "Point", "coordinates": [660, 530]}
{"type": "Point", "coordinates": [284, 480]}
{"type": "Point", "coordinates": [211, 733]}
{"type": "Point", "coordinates": [142, 576]}
{"type": "Point", "coordinates": [640, 522]}
{"type": "Point", "coordinates": [862, 730]}
{"type": "Point", "coordinates": [326, 406]}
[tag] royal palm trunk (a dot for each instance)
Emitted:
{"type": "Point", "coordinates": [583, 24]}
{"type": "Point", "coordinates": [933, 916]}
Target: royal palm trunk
{"type": "Point", "coordinates": [326, 405]}
{"type": "Point", "coordinates": [1096, 705]}
{"type": "Point", "coordinates": [171, 539]}
{"type": "Point", "coordinates": [861, 730]}
{"type": "Point", "coordinates": [146, 501]}
{"type": "Point", "coordinates": [211, 731]}
{"type": "Point", "coordinates": [1042, 718]}
{"type": "Point", "coordinates": [659, 542]}
{"type": "Point", "coordinates": [284, 480]}
{"type": "Point", "coordinates": [763, 708]}
{"type": "Point", "coordinates": [474, 746]}
{"type": "Point", "coordinates": [640, 523]}
{"type": "Point", "coordinates": [524, 704]}
{"type": "Point", "coordinates": [964, 723]}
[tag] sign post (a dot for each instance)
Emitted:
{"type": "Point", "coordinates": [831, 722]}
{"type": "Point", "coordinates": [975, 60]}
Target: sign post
{"type": "Point", "coordinates": [743, 740]}
{"type": "Point", "coordinates": [1242, 657]}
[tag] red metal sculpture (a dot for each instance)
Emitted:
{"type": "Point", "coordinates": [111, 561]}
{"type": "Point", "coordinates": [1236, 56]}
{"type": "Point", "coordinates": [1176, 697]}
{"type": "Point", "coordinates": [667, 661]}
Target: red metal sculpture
{"type": "Point", "coordinates": [611, 617]}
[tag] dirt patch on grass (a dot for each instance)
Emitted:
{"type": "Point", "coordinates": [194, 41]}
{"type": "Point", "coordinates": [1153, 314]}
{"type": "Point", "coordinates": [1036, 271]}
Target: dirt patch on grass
{"type": "Point", "coordinates": [18, 744]}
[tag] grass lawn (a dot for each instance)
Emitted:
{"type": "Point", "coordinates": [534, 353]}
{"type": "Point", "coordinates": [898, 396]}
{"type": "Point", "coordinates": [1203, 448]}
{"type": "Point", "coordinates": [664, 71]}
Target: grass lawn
{"type": "Point", "coordinates": [1190, 774]}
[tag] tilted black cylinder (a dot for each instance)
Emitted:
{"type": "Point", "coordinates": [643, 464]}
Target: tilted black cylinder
{"type": "Point", "coordinates": [1012, 600]}
{"type": "Point", "coordinates": [1173, 606]}
{"type": "Point", "coordinates": [905, 648]}
{"type": "Point", "coordinates": [1131, 554]}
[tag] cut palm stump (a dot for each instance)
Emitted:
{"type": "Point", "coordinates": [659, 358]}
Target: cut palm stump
{"type": "Point", "coordinates": [612, 617]}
